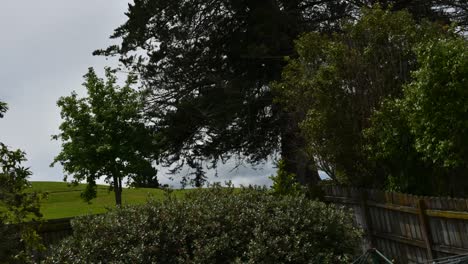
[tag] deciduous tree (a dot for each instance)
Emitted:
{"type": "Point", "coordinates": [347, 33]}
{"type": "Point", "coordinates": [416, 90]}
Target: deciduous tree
{"type": "Point", "coordinates": [104, 134]}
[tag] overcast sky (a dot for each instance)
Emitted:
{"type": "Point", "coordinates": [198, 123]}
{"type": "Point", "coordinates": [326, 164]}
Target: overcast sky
{"type": "Point", "coordinates": [45, 49]}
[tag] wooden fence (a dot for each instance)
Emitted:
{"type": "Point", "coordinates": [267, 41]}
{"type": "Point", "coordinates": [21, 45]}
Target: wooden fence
{"type": "Point", "coordinates": [407, 228]}
{"type": "Point", "coordinates": [54, 230]}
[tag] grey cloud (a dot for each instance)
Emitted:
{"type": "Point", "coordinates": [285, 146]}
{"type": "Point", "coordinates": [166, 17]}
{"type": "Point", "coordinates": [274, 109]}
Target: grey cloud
{"type": "Point", "coordinates": [45, 49]}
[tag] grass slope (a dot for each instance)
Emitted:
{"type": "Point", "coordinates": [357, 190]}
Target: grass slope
{"type": "Point", "coordinates": [63, 200]}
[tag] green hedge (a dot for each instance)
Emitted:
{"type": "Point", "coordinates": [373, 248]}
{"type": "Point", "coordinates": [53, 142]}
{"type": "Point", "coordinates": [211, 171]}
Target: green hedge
{"type": "Point", "coordinates": [215, 225]}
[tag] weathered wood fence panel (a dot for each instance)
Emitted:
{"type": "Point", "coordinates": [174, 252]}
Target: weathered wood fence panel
{"type": "Point", "coordinates": [407, 228]}
{"type": "Point", "coordinates": [54, 230]}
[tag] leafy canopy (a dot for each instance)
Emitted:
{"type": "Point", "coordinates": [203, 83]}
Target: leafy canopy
{"type": "Point", "coordinates": [436, 102]}
{"type": "Point", "coordinates": [104, 134]}
{"type": "Point", "coordinates": [338, 80]}
{"type": "Point", "coordinates": [421, 138]}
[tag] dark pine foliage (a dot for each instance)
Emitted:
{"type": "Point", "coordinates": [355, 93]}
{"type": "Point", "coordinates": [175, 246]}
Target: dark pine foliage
{"type": "Point", "coordinates": [207, 66]}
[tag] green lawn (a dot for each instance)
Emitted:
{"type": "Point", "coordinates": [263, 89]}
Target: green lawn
{"type": "Point", "coordinates": [63, 200]}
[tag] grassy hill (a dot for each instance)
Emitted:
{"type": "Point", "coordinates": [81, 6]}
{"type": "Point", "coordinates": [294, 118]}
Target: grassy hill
{"type": "Point", "coordinates": [63, 200]}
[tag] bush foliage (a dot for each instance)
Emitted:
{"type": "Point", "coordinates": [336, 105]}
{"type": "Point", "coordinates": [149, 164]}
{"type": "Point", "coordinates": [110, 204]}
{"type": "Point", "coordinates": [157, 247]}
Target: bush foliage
{"type": "Point", "coordinates": [215, 225]}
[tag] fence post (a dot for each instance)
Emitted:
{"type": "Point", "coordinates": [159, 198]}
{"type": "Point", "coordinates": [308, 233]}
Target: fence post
{"type": "Point", "coordinates": [425, 228]}
{"type": "Point", "coordinates": [367, 218]}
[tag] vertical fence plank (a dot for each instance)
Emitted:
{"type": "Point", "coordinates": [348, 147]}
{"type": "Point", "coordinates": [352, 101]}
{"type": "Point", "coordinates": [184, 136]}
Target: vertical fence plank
{"type": "Point", "coordinates": [425, 228]}
{"type": "Point", "coordinates": [367, 218]}
{"type": "Point", "coordinates": [464, 235]}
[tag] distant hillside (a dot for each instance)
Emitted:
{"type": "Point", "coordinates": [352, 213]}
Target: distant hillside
{"type": "Point", "coordinates": [64, 200]}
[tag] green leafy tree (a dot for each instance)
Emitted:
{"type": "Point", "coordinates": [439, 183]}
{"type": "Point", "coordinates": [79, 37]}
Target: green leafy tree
{"type": "Point", "coordinates": [17, 205]}
{"type": "Point", "coordinates": [436, 102]}
{"type": "Point", "coordinates": [390, 146]}
{"type": "Point", "coordinates": [338, 80]}
{"type": "Point", "coordinates": [105, 135]}
{"type": "Point", "coordinates": [424, 148]}
{"type": "Point", "coordinates": [207, 66]}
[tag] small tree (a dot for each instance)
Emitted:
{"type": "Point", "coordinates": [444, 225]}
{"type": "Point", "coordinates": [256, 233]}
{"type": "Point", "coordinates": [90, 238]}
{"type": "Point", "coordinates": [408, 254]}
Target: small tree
{"type": "Point", "coordinates": [17, 205]}
{"type": "Point", "coordinates": [284, 183]}
{"type": "Point", "coordinates": [104, 134]}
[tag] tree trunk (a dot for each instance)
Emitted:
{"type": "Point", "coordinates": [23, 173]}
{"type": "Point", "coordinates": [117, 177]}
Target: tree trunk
{"type": "Point", "coordinates": [118, 190]}
{"type": "Point", "coordinates": [294, 155]}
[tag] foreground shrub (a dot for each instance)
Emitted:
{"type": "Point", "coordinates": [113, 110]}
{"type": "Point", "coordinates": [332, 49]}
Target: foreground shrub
{"type": "Point", "coordinates": [216, 225]}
